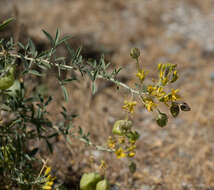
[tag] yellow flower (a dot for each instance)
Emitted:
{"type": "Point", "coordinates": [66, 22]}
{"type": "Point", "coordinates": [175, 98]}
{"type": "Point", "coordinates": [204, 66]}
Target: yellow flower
{"type": "Point", "coordinates": [156, 91]}
{"type": "Point", "coordinates": [121, 140]}
{"type": "Point", "coordinates": [174, 95]}
{"type": "Point", "coordinates": [46, 187]}
{"type": "Point", "coordinates": [171, 97]}
{"type": "Point", "coordinates": [149, 104]}
{"type": "Point", "coordinates": [120, 153]}
{"type": "Point", "coordinates": [131, 148]}
{"type": "Point", "coordinates": [164, 80]}
{"type": "Point", "coordinates": [49, 180]}
{"type": "Point", "coordinates": [141, 75]}
{"type": "Point", "coordinates": [129, 106]}
{"type": "Point", "coordinates": [103, 165]}
{"type": "Point", "coordinates": [47, 171]}
{"type": "Point", "coordinates": [160, 92]}
{"type": "Point", "coordinates": [151, 89]}
{"type": "Point", "coordinates": [111, 143]}
{"type": "Point", "coordinates": [131, 154]}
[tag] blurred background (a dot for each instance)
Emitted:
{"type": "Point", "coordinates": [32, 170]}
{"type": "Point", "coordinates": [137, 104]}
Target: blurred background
{"type": "Point", "coordinates": [177, 157]}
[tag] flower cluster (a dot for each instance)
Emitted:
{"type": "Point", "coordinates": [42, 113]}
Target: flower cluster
{"type": "Point", "coordinates": [129, 106]}
{"type": "Point", "coordinates": [123, 143]}
{"type": "Point", "coordinates": [167, 73]}
{"type": "Point", "coordinates": [123, 147]}
{"type": "Point", "coordinates": [49, 179]}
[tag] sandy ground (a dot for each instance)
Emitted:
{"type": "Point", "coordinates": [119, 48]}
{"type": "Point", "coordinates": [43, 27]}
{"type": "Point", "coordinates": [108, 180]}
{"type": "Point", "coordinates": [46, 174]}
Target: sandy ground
{"type": "Point", "coordinates": [178, 157]}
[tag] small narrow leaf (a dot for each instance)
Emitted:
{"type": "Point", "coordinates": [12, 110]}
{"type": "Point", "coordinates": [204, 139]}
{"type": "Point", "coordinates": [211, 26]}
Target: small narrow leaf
{"type": "Point", "coordinates": [32, 48]}
{"type": "Point", "coordinates": [65, 93]}
{"type": "Point", "coordinates": [57, 37]}
{"type": "Point", "coordinates": [94, 89]}
{"type": "Point", "coordinates": [64, 39]}
{"type": "Point", "coordinates": [5, 23]}
{"type": "Point", "coordinates": [35, 72]}
{"type": "Point", "coordinates": [49, 37]}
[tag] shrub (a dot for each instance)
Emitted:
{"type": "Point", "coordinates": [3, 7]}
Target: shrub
{"type": "Point", "coordinates": [24, 116]}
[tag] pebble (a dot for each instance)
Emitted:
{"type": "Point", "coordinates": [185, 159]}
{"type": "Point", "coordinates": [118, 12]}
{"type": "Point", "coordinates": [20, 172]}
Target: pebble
{"type": "Point", "coordinates": [212, 76]}
{"type": "Point", "coordinates": [146, 187]}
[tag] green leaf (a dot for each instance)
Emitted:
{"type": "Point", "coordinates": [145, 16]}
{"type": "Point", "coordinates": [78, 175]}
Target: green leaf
{"type": "Point", "coordinates": [57, 37]}
{"type": "Point", "coordinates": [64, 39]}
{"type": "Point", "coordinates": [32, 48]}
{"type": "Point", "coordinates": [65, 93]}
{"type": "Point", "coordinates": [5, 23]}
{"type": "Point", "coordinates": [94, 89]}
{"type": "Point", "coordinates": [68, 80]}
{"type": "Point", "coordinates": [49, 37]}
{"type": "Point", "coordinates": [35, 72]}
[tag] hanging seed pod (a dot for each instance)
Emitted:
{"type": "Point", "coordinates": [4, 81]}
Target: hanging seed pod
{"type": "Point", "coordinates": [184, 106]}
{"type": "Point", "coordinates": [103, 185]}
{"type": "Point", "coordinates": [132, 167]}
{"type": "Point", "coordinates": [121, 127]}
{"type": "Point", "coordinates": [162, 119]}
{"type": "Point", "coordinates": [174, 109]}
{"type": "Point", "coordinates": [89, 181]}
{"type": "Point", "coordinates": [135, 53]}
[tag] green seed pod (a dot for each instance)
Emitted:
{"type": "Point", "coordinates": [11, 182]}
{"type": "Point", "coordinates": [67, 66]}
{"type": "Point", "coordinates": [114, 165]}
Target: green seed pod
{"type": "Point", "coordinates": [8, 79]}
{"type": "Point", "coordinates": [121, 127]}
{"type": "Point", "coordinates": [103, 185]}
{"type": "Point", "coordinates": [89, 181]}
{"type": "Point", "coordinates": [174, 109]}
{"type": "Point", "coordinates": [133, 135]}
{"type": "Point", "coordinates": [135, 53]}
{"type": "Point", "coordinates": [162, 119]}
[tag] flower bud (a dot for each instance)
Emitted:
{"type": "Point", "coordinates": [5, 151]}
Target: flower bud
{"type": "Point", "coordinates": [174, 109]}
{"type": "Point", "coordinates": [174, 77]}
{"type": "Point", "coordinates": [162, 119]}
{"type": "Point", "coordinates": [89, 181]}
{"type": "Point", "coordinates": [103, 185]}
{"type": "Point", "coordinates": [121, 127]}
{"type": "Point", "coordinates": [135, 53]}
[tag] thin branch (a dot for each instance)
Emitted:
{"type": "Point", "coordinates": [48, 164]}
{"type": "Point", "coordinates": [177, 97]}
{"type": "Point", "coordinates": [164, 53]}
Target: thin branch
{"type": "Point", "coordinates": [118, 83]}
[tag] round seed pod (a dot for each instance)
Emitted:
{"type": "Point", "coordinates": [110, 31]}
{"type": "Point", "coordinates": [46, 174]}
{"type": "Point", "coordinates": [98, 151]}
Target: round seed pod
{"type": "Point", "coordinates": [89, 181]}
{"type": "Point", "coordinates": [162, 119]}
{"type": "Point", "coordinates": [103, 185]}
{"type": "Point", "coordinates": [8, 79]}
{"type": "Point", "coordinates": [121, 127]}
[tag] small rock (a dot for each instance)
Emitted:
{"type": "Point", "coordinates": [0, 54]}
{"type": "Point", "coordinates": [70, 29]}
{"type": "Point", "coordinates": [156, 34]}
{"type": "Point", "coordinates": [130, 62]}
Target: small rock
{"type": "Point", "coordinates": [146, 187]}
{"type": "Point", "coordinates": [212, 76]}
